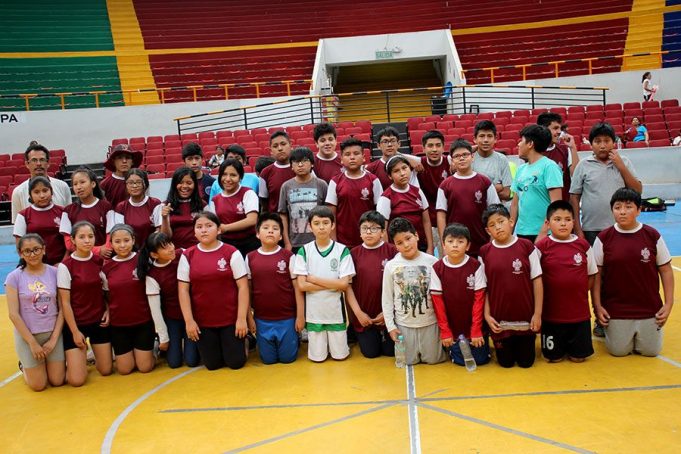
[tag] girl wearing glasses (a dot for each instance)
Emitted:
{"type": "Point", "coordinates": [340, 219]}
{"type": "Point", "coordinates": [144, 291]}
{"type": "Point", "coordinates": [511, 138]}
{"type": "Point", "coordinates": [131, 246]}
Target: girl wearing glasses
{"type": "Point", "coordinates": [35, 311]}
{"type": "Point", "coordinates": [138, 210]}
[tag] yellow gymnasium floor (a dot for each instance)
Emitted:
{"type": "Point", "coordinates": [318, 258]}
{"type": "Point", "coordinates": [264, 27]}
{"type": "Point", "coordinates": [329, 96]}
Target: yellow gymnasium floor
{"type": "Point", "coordinates": [606, 405]}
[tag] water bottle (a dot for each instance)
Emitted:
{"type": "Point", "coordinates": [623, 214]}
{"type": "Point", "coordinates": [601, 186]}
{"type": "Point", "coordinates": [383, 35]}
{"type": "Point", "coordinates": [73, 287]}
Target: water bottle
{"type": "Point", "coordinates": [400, 352]}
{"type": "Point", "coordinates": [468, 359]}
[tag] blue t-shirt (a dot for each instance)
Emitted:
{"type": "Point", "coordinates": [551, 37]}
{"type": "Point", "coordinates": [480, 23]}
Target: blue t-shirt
{"type": "Point", "coordinates": [640, 133]}
{"type": "Point", "coordinates": [532, 183]}
{"type": "Point", "coordinates": [250, 180]}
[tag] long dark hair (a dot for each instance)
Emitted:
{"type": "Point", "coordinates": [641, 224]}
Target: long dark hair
{"type": "Point", "coordinates": [22, 240]}
{"type": "Point", "coordinates": [35, 181]}
{"type": "Point", "coordinates": [173, 198]}
{"type": "Point", "coordinates": [154, 242]}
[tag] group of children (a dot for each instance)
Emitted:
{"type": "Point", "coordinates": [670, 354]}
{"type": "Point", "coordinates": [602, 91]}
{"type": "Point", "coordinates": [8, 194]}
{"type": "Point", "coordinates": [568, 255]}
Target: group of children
{"type": "Point", "coordinates": [202, 276]}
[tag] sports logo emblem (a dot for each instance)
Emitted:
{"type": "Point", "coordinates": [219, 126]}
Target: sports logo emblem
{"type": "Point", "coordinates": [478, 196]}
{"type": "Point", "coordinates": [645, 255]}
{"type": "Point", "coordinates": [470, 280]}
{"type": "Point", "coordinates": [365, 194]}
{"type": "Point", "coordinates": [517, 266]}
{"type": "Point", "coordinates": [281, 266]}
{"type": "Point", "coordinates": [578, 258]}
{"type": "Point", "coordinates": [222, 264]}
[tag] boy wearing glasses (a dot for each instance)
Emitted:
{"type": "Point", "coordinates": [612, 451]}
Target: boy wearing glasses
{"type": "Point", "coordinates": [464, 196]}
{"type": "Point", "coordinates": [297, 197]}
{"type": "Point", "coordinates": [388, 140]}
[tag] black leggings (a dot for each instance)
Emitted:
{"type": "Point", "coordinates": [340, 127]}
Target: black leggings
{"type": "Point", "coordinates": [516, 349]}
{"type": "Point", "coordinates": [220, 346]}
{"type": "Point", "coordinates": [374, 342]}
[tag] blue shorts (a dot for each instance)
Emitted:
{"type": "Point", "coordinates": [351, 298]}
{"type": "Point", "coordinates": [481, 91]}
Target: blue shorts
{"type": "Point", "coordinates": [480, 354]}
{"type": "Point", "coordinates": [277, 340]}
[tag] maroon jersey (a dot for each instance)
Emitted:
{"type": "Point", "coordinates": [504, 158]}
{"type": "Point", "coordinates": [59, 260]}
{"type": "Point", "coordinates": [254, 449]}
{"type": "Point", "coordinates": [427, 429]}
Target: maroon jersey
{"type": "Point", "coordinates": [114, 189]}
{"type": "Point", "coordinates": [99, 214]}
{"type": "Point", "coordinates": [128, 305]}
{"type": "Point", "coordinates": [272, 284]}
{"type": "Point", "coordinates": [139, 217]}
{"type": "Point", "coordinates": [213, 289]}
{"type": "Point", "coordinates": [233, 208]}
{"type": "Point", "coordinates": [45, 222]}
{"type": "Point", "coordinates": [458, 292]}
{"type": "Point", "coordinates": [630, 286]}
{"type": "Point", "coordinates": [84, 280]}
{"type": "Point", "coordinates": [560, 155]}
{"type": "Point", "coordinates": [326, 169]}
{"type": "Point", "coordinates": [409, 204]}
{"type": "Point", "coordinates": [510, 270]}
{"type": "Point", "coordinates": [272, 177]}
{"type": "Point", "coordinates": [565, 275]}
{"type": "Point", "coordinates": [352, 197]}
{"type": "Point", "coordinates": [182, 225]}
{"type": "Point", "coordinates": [166, 279]}
{"type": "Point", "coordinates": [377, 167]}
{"type": "Point", "coordinates": [464, 199]}
{"type": "Point", "coordinates": [367, 282]}
{"type": "Point", "coordinates": [430, 179]}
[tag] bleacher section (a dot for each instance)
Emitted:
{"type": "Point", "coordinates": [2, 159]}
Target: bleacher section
{"type": "Point", "coordinates": [671, 37]}
{"type": "Point", "coordinates": [13, 170]}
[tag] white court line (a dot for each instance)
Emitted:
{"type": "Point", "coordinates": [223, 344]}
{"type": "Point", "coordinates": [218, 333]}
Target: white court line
{"type": "Point", "coordinates": [414, 433]}
{"type": "Point", "coordinates": [9, 379]}
{"type": "Point", "coordinates": [676, 268]}
{"type": "Point", "coordinates": [111, 433]}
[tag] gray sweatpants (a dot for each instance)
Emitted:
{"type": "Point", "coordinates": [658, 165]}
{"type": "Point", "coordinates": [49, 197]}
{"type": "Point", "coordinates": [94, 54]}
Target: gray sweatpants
{"type": "Point", "coordinates": [623, 337]}
{"type": "Point", "coordinates": [423, 344]}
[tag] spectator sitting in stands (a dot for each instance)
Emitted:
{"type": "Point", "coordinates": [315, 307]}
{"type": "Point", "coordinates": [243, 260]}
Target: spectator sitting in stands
{"type": "Point", "coordinates": [637, 132]}
{"type": "Point", "coordinates": [217, 158]}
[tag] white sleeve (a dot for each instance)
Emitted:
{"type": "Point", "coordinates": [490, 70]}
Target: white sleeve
{"type": "Point", "coordinates": [441, 201]}
{"type": "Point", "coordinates": [64, 196]}
{"type": "Point", "coordinates": [238, 265]}
{"type": "Point", "coordinates": [435, 283]}
{"type": "Point", "coordinates": [262, 188]}
{"type": "Point", "coordinates": [414, 179]}
{"type": "Point", "coordinates": [17, 204]}
{"type": "Point", "coordinates": [480, 278]}
{"type": "Point", "coordinates": [105, 282]}
{"type": "Point", "coordinates": [535, 265]}
{"type": "Point", "coordinates": [424, 200]}
{"type": "Point", "coordinates": [387, 299]}
{"type": "Point", "coordinates": [378, 190]}
{"type": "Point", "coordinates": [492, 196]}
{"type": "Point", "coordinates": [300, 266]}
{"type": "Point", "coordinates": [110, 220]}
{"type": "Point", "coordinates": [118, 218]}
{"type": "Point", "coordinates": [183, 269]}
{"type": "Point", "coordinates": [248, 268]}
{"type": "Point", "coordinates": [383, 207]}
{"type": "Point", "coordinates": [65, 224]}
{"type": "Point", "coordinates": [63, 277]}
{"type": "Point", "coordinates": [157, 315]}
{"type": "Point", "coordinates": [598, 251]}
{"type": "Point", "coordinates": [291, 264]}
{"type": "Point", "coordinates": [156, 215]}
{"type": "Point", "coordinates": [591, 267]}
{"type": "Point", "coordinates": [152, 286]}
{"type": "Point", "coordinates": [251, 202]}
{"type": "Point", "coordinates": [663, 255]}
{"type": "Point", "coordinates": [331, 196]}
{"type": "Point", "coordinates": [211, 207]}
{"type": "Point", "coordinates": [19, 226]}
{"type": "Point", "coordinates": [347, 267]}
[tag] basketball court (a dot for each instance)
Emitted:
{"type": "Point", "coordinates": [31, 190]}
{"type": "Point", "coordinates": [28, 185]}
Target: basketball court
{"type": "Point", "coordinates": [607, 404]}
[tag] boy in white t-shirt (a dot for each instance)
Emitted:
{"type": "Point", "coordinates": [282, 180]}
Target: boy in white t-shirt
{"type": "Point", "coordinates": [324, 270]}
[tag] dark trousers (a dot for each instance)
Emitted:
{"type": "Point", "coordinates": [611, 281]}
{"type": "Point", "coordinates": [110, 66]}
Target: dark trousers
{"type": "Point", "coordinates": [220, 347]}
{"type": "Point", "coordinates": [374, 342]}
{"type": "Point", "coordinates": [516, 349]}
{"type": "Point", "coordinates": [180, 347]}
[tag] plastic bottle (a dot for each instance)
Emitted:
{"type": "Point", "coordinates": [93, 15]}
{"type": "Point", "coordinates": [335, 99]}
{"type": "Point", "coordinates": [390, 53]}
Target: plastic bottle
{"type": "Point", "coordinates": [468, 359]}
{"type": "Point", "coordinates": [400, 352]}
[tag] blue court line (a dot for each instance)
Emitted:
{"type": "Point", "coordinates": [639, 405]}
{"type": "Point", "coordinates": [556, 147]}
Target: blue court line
{"type": "Point", "coordinates": [491, 425]}
{"type": "Point", "coordinates": [310, 428]}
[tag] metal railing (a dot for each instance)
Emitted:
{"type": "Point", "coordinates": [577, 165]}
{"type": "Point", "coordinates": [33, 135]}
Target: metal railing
{"type": "Point", "coordinates": [391, 105]}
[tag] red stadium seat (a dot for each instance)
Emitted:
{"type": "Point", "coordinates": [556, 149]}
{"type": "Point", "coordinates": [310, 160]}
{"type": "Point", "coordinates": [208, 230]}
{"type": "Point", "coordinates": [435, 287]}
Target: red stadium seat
{"type": "Point", "coordinates": [365, 125]}
{"type": "Point", "coordinates": [659, 143]}
{"type": "Point", "coordinates": [669, 102]}
{"type": "Point", "coordinates": [427, 125]}
{"type": "Point", "coordinates": [504, 114]}
{"type": "Point", "coordinates": [8, 170]}
{"type": "Point", "coordinates": [654, 118]}
{"type": "Point", "coordinates": [631, 105]}
{"type": "Point", "coordinates": [614, 106]}
{"type": "Point", "coordinates": [658, 134]}
{"type": "Point", "coordinates": [119, 142]}
{"type": "Point", "coordinates": [648, 104]}
{"type": "Point", "coordinates": [636, 145]}
{"type": "Point", "coordinates": [154, 139]}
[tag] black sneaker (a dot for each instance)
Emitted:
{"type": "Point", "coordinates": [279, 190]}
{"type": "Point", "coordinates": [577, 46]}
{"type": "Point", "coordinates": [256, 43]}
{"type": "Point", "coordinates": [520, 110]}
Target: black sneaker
{"type": "Point", "coordinates": [598, 330]}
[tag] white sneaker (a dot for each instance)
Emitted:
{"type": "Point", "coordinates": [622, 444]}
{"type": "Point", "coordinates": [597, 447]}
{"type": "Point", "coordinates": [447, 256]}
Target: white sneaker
{"type": "Point", "coordinates": [303, 335]}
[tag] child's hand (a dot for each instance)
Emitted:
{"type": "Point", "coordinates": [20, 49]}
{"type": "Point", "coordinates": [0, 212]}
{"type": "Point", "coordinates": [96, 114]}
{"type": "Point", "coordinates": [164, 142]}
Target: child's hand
{"type": "Point", "coordinates": [287, 246]}
{"type": "Point", "coordinates": [79, 340]}
{"type": "Point", "coordinates": [300, 324]}
{"type": "Point", "coordinates": [166, 210]}
{"type": "Point", "coordinates": [37, 351]}
{"type": "Point", "coordinates": [163, 346]}
{"type": "Point", "coordinates": [477, 341]}
{"type": "Point", "coordinates": [193, 331]}
{"type": "Point", "coordinates": [535, 323]}
{"type": "Point", "coordinates": [105, 319]}
{"type": "Point", "coordinates": [394, 333]}
{"type": "Point", "coordinates": [603, 316]}
{"type": "Point", "coordinates": [105, 252]}
{"type": "Point", "coordinates": [241, 328]}
{"type": "Point", "coordinates": [663, 314]}
{"type": "Point", "coordinates": [379, 320]}
{"type": "Point", "coordinates": [251, 323]}
{"type": "Point", "coordinates": [363, 318]}
{"type": "Point", "coordinates": [448, 342]}
{"type": "Point", "coordinates": [493, 324]}
{"type": "Point", "coordinates": [429, 251]}
{"type": "Point", "coordinates": [49, 346]}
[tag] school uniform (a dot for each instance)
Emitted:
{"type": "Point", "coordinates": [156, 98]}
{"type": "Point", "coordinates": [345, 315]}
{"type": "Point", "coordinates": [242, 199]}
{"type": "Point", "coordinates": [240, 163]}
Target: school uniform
{"type": "Point", "coordinates": [271, 179]}
{"type": "Point", "coordinates": [235, 207]}
{"type": "Point", "coordinates": [181, 223]}
{"type": "Point", "coordinates": [409, 203]}
{"type": "Point", "coordinates": [140, 216]}
{"type": "Point", "coordinates": [327, 169]}
{"type": "Point", "coordinates": [99, 213]}
{"type": "Point", "coordinates": [114, 188]}
{"type": "Point", "coordinates": [45, 222]}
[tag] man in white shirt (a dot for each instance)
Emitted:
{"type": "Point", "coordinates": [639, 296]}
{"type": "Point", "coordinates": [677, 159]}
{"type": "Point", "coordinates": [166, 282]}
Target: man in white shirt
{"type": "Point", "coordinates": [37, 159]}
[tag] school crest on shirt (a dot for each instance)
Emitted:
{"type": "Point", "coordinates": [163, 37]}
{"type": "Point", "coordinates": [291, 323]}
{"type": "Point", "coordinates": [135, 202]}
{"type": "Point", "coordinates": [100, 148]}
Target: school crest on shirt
{"type": "Point", "coordinates": [281, 267]}
{"type": "Point", "coordinates": [517, 266]}
{"type": "Point", "coordinates": [578, 259]}
{"type": "Point", "coordinates": [470, 281]}
{"type": "Point", "coordinates": [478, 196]}
{"type": "Point", "coordinates": [240, 208]}
{"type": "Point", "coordinates": [645, 255]}
{"type": "Point", "coordinates": [334, 264]}
{"type": "Point", "coordinates": [222, 264]}
{"type": "Point", "coordinates": [365, 193]}
{"type": "Point", "coordinates": [134, 275]}
{"type": "Point", "coordinates": [57, 221]}
{"type": "Point", "coordinates": [444, 174]}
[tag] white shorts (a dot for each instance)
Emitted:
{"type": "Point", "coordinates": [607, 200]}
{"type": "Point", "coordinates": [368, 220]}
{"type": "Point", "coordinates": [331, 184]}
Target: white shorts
{"type": "Point", "coordinates": [320, 344]}
{"type": "Point", "coordinates": [423, 344]}
{"type": "Point", "coordinates": [642, 336]}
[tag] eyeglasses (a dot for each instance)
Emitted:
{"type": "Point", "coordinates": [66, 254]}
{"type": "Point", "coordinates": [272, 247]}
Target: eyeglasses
{"type": "Point", "coordinates": [388, 142]}
{"type": "Point", "coordinates": [373, 229]}
{"type": "Point", "coordinates": [34, 251]}
{"type": "Point", "coordinates": [36, 160]}
{"type": "Point", "coordinates": [460, 156]}
{"type": "Point", "coordinates": [302, 161]}
{"type": "Point", "coordinates": [134, 183]}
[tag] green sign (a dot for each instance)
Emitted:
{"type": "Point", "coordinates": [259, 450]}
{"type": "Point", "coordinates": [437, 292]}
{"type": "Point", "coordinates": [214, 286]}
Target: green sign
{"type": "Point", "coordinates": [384, 54]}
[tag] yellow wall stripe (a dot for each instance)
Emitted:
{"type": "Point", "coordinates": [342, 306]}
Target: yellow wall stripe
{"type": "Point", "coordinates": [645, 34]}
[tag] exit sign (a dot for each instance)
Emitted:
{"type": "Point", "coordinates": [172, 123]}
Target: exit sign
{"type": "Point", "coordinates": [384, 54]}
